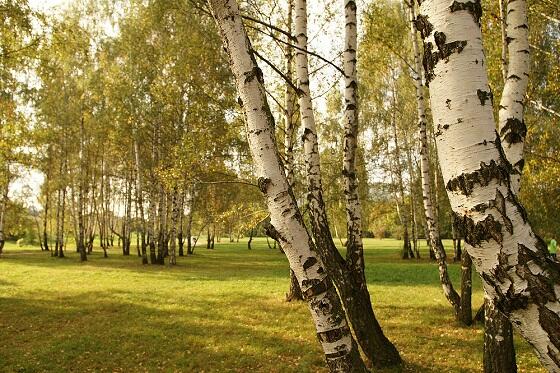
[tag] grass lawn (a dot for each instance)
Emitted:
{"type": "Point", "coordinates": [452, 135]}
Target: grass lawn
{"type": "Point", "coordinates": [217, 311]}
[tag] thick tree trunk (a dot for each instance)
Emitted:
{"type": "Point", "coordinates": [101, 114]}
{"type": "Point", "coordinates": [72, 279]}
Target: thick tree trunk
{"type": "Point", "coordinates": [517, 271]}
{"type": "Point", "coordinates": [286, 225]}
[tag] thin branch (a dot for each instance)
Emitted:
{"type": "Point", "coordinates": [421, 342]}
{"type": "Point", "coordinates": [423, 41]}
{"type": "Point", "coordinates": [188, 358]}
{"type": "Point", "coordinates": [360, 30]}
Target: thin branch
{"type": "Point", "coordinates": [298, 91]}
{"type": "Point", "coordinates": [300, 49]}
{"type": "Point", "coordinates": [272, 27]}
{"type": "Point", "coordinates": [244, 182]}
{"type": "Point", "coordinates": [540, 106]}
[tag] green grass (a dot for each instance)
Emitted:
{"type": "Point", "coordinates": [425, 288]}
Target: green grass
{"type": "Point", "coordinates": [216, 311]}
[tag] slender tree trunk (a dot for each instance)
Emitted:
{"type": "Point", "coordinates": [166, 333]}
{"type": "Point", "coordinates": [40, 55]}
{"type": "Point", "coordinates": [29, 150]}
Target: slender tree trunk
{"type": "Point", "coordinates": [466, 290]}
{"type": "Point", "coordinates": [3, 205]}
{"type": "Point", "coordinates": [517, 271]}
{"type": "Point", "coordinates": [140, 199]}
{"type": "Point", "coordinates": [62, 211]}
{"type": "Point", "coordinates": [81, 191]}
{"type": "Point", "coordinates": [294, 292]}
{"type": "Point", "coordinates": [46, 212]}
{"type": "Point", "coordinates": [250, 239]}
{"type": "Point", "coordinates": [407, 250]}
{"type": "Point", "coordinates": [286, 224]}
{"type": "Point", "coordinates": [512, 104]}
{"type": "Point", "coordinates": [352, 290]}
{"type": "Point", "coordinates": [173, 230]}
{"type": "Point", "coordinates": [180, 230]}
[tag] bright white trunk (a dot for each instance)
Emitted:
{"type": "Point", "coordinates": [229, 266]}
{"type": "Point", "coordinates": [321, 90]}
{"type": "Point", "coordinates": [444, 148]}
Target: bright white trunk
{"type": "Point", "coordinates": [513, 262]}
{"type": "Point", "coordinates": [353, 209]}
{"type": "Point", "coordinates": [512, 104]}
{"type": "Point", "coordinates": [433, 228]}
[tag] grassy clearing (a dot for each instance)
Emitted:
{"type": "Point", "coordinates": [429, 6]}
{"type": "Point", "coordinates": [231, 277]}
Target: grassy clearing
{"type": "Point", "coordinates": [220, 310]}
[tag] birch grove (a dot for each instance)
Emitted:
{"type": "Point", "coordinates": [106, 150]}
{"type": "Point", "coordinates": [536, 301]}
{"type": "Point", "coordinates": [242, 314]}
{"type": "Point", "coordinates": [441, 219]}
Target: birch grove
{"type": "Point", "coordinates": [513, 261]}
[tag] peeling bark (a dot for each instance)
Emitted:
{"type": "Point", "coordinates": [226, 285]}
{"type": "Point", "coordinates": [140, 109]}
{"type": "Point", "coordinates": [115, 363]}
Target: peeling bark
{"type": "Point", "coordinates": [517, 271]}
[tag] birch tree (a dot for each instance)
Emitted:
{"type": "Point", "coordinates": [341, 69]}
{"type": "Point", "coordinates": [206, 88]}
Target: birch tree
{"type": "Point", "coordinates": [516, 269]}
{"type": "Point", "coordinates": [286, 224]}
{"type": "Point", "coordinates": [351, 285]}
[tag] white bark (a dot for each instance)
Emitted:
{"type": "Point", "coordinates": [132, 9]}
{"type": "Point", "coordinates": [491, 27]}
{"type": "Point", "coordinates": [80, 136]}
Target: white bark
{"type": "Point", "coordinates": [512, 104]}
{"type": "Point", "coordinates": [513, 262]}
{"type": "Point", "coordinates": [286, 220]}
{"type": "Point", "coordinates": [289, 99]}
{"type": "Point", "coordinates": [354, 246]}
{"type": "Point", "coordinates": [433, 228]}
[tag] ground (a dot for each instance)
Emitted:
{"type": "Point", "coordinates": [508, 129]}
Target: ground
{"type": "Point", "coordinates": [219, 310]}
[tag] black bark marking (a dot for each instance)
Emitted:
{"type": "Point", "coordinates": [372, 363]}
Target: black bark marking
{"type": "Point", "coordinates": [484, 96]}
{"type": "Point", "coordinates": [255, 72]}
{"type": "Point", "coordinates": [473, 7]}
{"type": "Point", "coordinates": [314, 287]}
{"type": "Point", "coordinates": [431, 58]}
{"type": "Point", "coordinates": [500, 204]}
{"type": "Point", "coordinates": [271, 232]}
{"type": "Point", "coordinates": [263, 184]}
{"type": "Point", "coordinates": [514, 131]}
{"type": "Point", "coordinates": [484, 230]}
{"type": "Point", "coordinates": [423, 26]}
{"type": "Point", "coordinates": [333, 335]}
{"type": "Point", "coordinates": [465, 183]}
{"type": "Point", "coordinates": [240, 102]}
{"type": "Point", "coordinates": [310, 262]}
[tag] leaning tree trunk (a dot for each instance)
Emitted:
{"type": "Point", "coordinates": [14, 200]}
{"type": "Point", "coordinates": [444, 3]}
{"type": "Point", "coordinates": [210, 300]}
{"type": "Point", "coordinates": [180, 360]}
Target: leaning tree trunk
{"type": "Point", "coordinates": [286, 225]}
{"type": "Point", "coordinates": [294, 292]}
{"type": "Point", "coordinates": [518, 273]}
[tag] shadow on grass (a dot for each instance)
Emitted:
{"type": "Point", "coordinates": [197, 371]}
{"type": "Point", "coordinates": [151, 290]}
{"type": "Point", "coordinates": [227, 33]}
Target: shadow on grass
{"type": "Point", "coordinates": [96, 331]}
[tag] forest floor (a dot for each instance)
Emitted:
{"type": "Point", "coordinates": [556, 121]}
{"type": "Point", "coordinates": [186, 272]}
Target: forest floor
{"type": "Point", "coordinates": [220, 310]}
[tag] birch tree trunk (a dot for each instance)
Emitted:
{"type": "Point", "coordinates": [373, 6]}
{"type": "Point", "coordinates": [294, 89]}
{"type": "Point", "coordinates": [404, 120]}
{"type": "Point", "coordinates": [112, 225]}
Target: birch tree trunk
{"type": "Point", "coordinates": [286, 224]}
{"type": "Point", "coordinates": [80, 212]}
{"type": "Point", "coordinates": [140, 199]}
{"type": "Point", "coordinates": [3, 204]}
{"type": "Point", "coordinates": [517, 271]}
{"type": "Point", "coordinates": [512, 104]}
{"type": "Point", "coordinates": [354, 244]}
{"type": "Point", "coordinates": [350, 285]}
{"type": "Point", "coordinates": [294, 292]}
{"type": "Point", "coordinates": [433, 227]}
{"type": "Point", "coordinates": [45, 237]}
{"type": "Point", "coordinates": [499, 350]}
{"type": "Point", "coordinates": [173, 229]}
